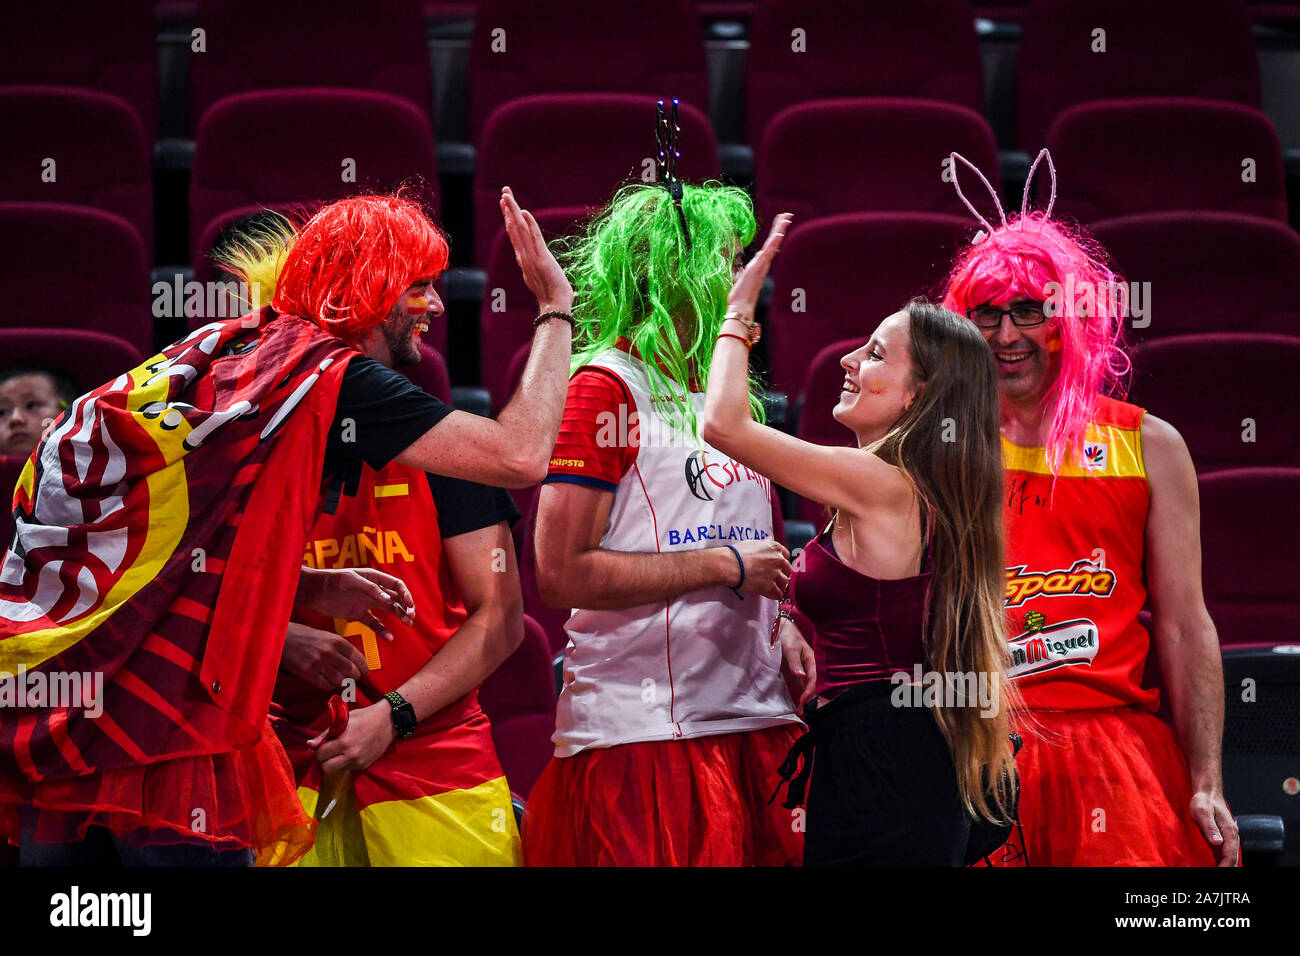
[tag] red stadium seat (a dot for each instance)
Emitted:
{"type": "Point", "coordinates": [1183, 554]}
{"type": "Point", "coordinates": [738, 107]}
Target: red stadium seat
{"type": "Point", "coordinates": [431, 374]}
{"type": "Point", "coordinates": [575, 149]}
{"type": "Point", "coordinates": [521, 48]}
{"type": "Point", "coordinates": [1209, 272]}
{"type": "Point", "coordinates": [287, 146]}
{"type": "Point", "coordinates": [551, 619]}
{"type": "Point", "coordinates": [868, 155]}
{"type": "Point", "coordinates": [1122, 157]}
{"type": "Point", "coordinates": [74, 267]}
{"type": "Point", "coordinates": [253, 45]}
{"type": "Point", "coordinates": [519, 700]}
{"type": "Point", "coordinates": [801, 50]}
{"type": "Point", "coordinates": [90, 359]}
{"type": "Point", "coordinates": [1153, 48]}
{"type": "Point", "coordinates": [839, 276]}
{"type": "Point", "coordinates": [11, 466]}
{"type": "Point", "coordinates": [505, 318]}
{"type": "Point", "coordinates": [1249, 561]}
{"type": "Point", "coordinates": [101, 153]}
{"type": "Point", "coordinates": [109, 47]}
{"type": "Point", "coordinates": [816, 423]}
{"type": "Point", "coordinates": [1233, 397]}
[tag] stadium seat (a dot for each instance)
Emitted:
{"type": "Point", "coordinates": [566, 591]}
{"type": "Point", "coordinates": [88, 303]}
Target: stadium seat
{"type": "Point", "coordinates": [519, 699]}
{"type": "Point", "coordinates": [816, 423]}
{"type": "Point", "coordinates": [100, 153]}
{"type": "Point", "coordinates": [840, 276]}
{"type": "Point", "coordinates": [1233, 397]}
{"type": "Point", "coordinates": [1121, 157]}
{"type": "Point", "coordinates": [551, 619]}
{"type": "Point", "coordinates": [868, 155]}
{"type": "Point", "coordinates": [11, 466]}
{"type": "Point", "coordinates": [284, 146]}
{"type": "Point", "coordinates": [253, 45]}
{"type": "Point", "coordinates": [801, 50]}
{"type": "Point", "coordinates": [109, 47]}
{"type": "Point", "coordinates": [1249, 562]}
{"type": "Point", "coordinates": [89, 359]}
{"type": "Point", "coordinates": [505, 318]}
{"type": "Point", "coordinates": [74, 267]}
{"type": "Point", "coordinates": [1261, 737]}
{"type": "Point", "coordinates": [521, 48]}
{"type": "Point", "coordinates": [1153, 48]}
{"type": "Point", "coordinates": [575, 149]}
{"type": "Point", "coordinates": [431, 374]}
{"type": "Point", "coordinates": [1208, 272]}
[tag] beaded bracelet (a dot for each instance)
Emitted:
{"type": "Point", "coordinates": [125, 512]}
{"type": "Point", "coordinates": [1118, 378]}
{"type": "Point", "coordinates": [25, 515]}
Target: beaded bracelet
{"type": "Point", "coordinates": [555, 314]}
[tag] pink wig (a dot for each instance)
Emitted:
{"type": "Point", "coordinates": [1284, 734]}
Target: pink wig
{"type": "Point", "coordinates": [1018, 260]}
{"type": "Point", "coordinates": [351, 262]}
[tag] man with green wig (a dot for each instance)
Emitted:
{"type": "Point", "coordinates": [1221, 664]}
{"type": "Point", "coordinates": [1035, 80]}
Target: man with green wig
{"type": "Point", "coordinates": [675, 712]}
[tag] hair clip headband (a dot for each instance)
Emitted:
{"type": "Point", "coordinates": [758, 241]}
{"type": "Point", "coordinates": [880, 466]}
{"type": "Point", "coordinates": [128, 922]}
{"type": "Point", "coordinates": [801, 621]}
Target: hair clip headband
{"type": "Point", "coordinates": [668, 140]}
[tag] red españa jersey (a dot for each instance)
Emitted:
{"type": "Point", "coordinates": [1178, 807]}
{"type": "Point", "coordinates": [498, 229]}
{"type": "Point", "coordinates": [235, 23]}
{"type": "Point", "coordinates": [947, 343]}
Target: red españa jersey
{"type": "Point", "coordinates": [1075, 577]}
{"type": "Point", "coordinates": [391, 525]}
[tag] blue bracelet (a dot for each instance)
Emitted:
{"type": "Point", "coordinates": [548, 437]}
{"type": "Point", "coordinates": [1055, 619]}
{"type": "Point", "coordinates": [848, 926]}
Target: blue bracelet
{"type": "Point", "coordinates": [741, 582]}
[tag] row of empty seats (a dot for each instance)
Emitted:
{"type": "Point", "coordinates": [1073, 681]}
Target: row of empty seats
{"type": "Point", "coordinates": [291, 150]}
{"type": "Point", "coordinates": [798, 50]}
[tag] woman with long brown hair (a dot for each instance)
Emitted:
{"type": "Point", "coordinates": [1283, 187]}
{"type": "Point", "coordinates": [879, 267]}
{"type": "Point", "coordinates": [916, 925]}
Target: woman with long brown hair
{"type": "Point", "coordinates": [902, 592]}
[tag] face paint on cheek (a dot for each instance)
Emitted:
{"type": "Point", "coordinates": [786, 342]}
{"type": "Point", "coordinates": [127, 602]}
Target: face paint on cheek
{"type": "Point", "coordinates": [1054, 344]}
{"type": "Point", "coordinates": [876, 389]}
{"type": "Point", "coordinates": [417, 307]}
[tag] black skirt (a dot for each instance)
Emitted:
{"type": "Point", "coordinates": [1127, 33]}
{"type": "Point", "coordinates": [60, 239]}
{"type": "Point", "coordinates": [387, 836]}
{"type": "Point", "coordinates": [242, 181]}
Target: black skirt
{"type": "Point", "coordinates": [883, 788]}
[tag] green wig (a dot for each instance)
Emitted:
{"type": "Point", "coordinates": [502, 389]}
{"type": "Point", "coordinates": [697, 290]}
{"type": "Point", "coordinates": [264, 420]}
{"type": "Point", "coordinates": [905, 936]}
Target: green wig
{"type": "Point", "coordinates": [634, 276]}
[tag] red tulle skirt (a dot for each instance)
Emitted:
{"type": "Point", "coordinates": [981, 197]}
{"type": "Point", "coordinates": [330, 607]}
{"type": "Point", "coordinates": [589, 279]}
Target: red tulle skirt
{"type": "Point", "coordinates": [696, 802]}
{"type": "Point", "coordinates": [242, 798]}
{"type": "Point", "coordinates": [1103, 788]}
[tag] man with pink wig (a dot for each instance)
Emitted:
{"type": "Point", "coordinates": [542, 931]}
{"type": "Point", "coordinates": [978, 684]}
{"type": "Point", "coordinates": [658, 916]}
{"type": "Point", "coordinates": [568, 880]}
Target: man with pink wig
{"type": "Point", "coordinates": [1102, 519]}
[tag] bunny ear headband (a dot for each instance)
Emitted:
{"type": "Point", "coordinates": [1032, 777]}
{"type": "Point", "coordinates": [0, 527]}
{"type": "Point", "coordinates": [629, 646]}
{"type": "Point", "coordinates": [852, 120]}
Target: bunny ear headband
{"type": "Point", "coordinates": [1024, 202]}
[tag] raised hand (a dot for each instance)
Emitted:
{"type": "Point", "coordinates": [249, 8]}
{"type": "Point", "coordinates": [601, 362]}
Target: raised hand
{"type": "Point", "coordinates": [744, 292]}
{"type": "Point", "coordinates": [542, 274]}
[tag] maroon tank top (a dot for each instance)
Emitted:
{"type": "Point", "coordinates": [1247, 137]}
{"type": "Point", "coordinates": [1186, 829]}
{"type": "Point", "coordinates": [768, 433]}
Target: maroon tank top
{"type": "Point", "coordinates": [863, 628]}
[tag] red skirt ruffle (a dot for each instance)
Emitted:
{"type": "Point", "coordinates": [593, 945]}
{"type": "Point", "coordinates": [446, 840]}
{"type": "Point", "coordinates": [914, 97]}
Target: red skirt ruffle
{"type": "Point", "coordinates": [695, 802]}
{"type": "Point", "coordinates": [242, 798]}
{"type": "Point", "coordinates": [1103, 788]}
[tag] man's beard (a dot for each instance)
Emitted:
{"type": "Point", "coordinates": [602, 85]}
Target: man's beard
{"type": "Point", "coordinates": [399, 333]}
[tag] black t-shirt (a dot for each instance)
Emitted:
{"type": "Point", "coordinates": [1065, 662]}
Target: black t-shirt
{"type": "Point", "coordinates": [379, 414]}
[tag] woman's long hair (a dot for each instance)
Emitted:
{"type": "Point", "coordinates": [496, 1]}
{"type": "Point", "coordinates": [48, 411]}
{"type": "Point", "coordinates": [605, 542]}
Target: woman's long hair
{"type": "Point", "coordinates": [948, 445]}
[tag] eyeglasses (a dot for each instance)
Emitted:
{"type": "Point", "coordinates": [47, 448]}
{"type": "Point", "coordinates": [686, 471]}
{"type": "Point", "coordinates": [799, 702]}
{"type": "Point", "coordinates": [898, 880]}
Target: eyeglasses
{"type": "Point", "coordinates": [1023, 316]}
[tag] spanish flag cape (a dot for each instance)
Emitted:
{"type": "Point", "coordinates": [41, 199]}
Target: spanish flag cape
{"type": "Point", "coordinates": [146, 594]}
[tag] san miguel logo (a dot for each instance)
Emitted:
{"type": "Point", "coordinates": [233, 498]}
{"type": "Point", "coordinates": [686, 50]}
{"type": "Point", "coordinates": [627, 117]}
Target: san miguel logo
{"type": "Point", "coordinates": [1083, 577]}
{"type": "Point", "coordinates": [1042, 647]}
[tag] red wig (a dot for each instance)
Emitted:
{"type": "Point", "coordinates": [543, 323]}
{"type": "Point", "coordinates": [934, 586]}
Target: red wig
{"type": "Point", "coordinates": [351, 262]}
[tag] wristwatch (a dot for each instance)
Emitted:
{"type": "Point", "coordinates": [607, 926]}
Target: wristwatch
{"type": "Point", "coordinates": [403, 714]}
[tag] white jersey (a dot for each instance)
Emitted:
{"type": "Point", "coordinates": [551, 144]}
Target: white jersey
{"type": "Point", "coordinates": [698, 664]}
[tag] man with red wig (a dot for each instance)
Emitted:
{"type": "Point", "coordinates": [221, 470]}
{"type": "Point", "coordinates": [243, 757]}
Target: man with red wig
{"type": "Point", "coordinates": [1102, 516]}
{"type": "Point", "coordinates": [160, 531]}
